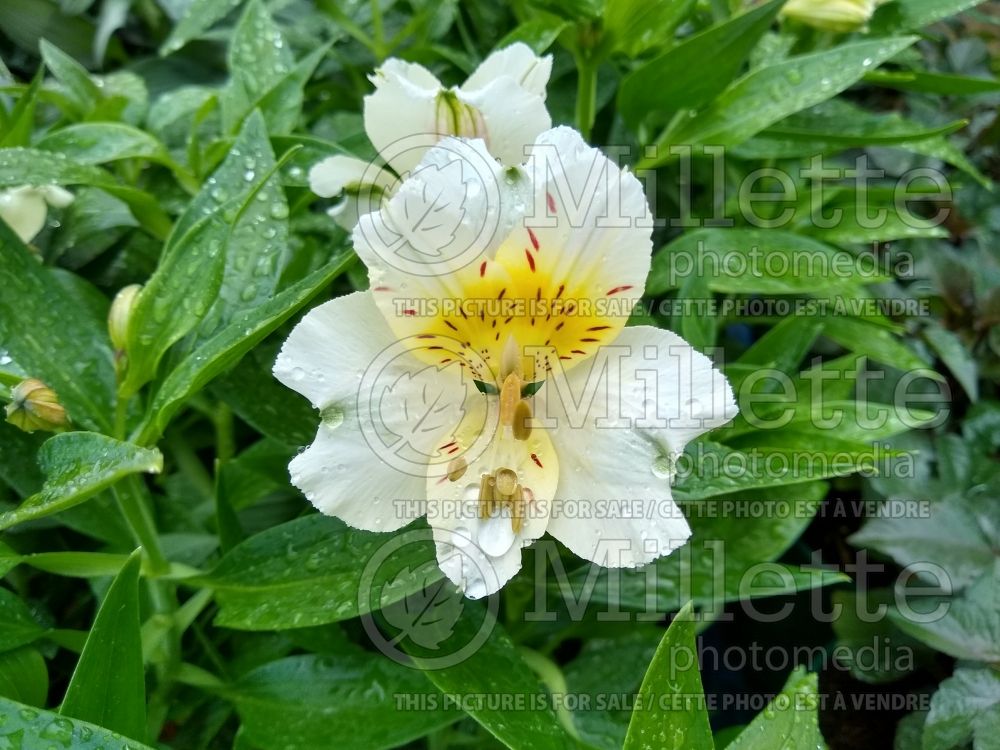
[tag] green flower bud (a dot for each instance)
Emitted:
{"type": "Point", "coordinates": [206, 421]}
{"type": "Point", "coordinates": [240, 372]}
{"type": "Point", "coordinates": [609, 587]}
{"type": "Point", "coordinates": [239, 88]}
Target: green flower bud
{"type": "Point", "coordinates": [120, 314]}
{"type": "Point", "coordinates": [35, 406]}
{"type": "Point", "coordinates": [831, 15]}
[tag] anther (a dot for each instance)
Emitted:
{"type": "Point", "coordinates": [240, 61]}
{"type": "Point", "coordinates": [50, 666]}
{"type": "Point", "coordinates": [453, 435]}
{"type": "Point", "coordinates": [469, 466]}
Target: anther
{"type": "Point", "coordinates": [510, 394]}
{"type": "Point", "coordinates": [506, 482]}
{"type": "Point", "coordinates": [522, 420]}
{"type": "Point", "coordinates": [456, 468]}
{"type": "Point", "coordinates": [487, 492]}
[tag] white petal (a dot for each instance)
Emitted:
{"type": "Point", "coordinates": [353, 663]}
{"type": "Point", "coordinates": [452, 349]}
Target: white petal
{"type": "Point", "coordinates": [481, 554]}
{"type": "Point", "coordinates": [24, 210]}
{"type": "Point", "coordinates": [400, 115]}
{"type": "Point", "coordinates": [56, 196]}
{"type": "Point", "coordinates": [513, 117]}
{"type": "Point", "coordinates": [621, 420]}
{"type": "Point", "coordinates": [384, 414]}
{"type": "Point", "coordinates": [449, 214]}
{"type": "Point", "coordinates": [592, 213]}
{"type": "Point", "coordinates": [517, 61]}
{"type": "Point", "coordinates": [338, 173]}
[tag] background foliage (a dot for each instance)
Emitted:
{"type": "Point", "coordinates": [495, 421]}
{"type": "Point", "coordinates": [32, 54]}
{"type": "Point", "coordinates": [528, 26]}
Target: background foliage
{"type": "Point", "coordinates": [185, 129]}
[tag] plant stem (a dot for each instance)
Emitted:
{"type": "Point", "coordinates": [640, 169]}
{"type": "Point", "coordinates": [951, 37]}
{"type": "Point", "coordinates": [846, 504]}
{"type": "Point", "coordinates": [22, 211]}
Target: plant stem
{"type": "Point", "coordinates": [131, 497]}
{"type": "Point", "coordinates": [586, 95]}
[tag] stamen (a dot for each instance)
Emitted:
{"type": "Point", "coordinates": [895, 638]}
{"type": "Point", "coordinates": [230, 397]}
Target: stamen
{"type": "Point", "coordinates": [506, 482]}
{"type": "Point", "coordinates": [510, 394]}
{"type": "Point", "coordinates": [487, 495]}
{"type": "Point", "coordinates": [457, 468]}
{"type": "Point", "coordinates": [517, 510]}
{"type": "Point", "coordinates": [522, 420]}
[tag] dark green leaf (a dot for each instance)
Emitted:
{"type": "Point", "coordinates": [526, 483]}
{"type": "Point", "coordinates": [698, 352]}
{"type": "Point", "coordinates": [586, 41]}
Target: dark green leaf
{"type": "Point", "coordinates": [672, 714]}
{"type": "Point", "coordinates": [349, 701]}
{"type": "Point", "coordinates": [53, 337]}
{"type": "Point", "coordinates": [311, 571]}
{"type": "Point", "coordinates": [24, 676]}
{"type": "Point", "coordinates": [35, 729]}
{"type": "Point", "coordinates": [770, 94]}
{"type": "Point", "coordinates": [77, 466]}
{"type": "Point", "coordinates": [790, 721]}
{"type": "Point", "coordinates": [108, 687]}
{"type": "Point", "coordinates": [17, 625]}
{"type": "Point", "coordinates": [679, 80]}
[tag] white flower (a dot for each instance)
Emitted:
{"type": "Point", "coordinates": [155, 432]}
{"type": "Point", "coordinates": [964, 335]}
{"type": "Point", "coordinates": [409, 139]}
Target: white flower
{"type": "Point", "coordinates": [831, 15]}
{"type": "Point", "coordinates": [488, 379]}
{"type": "Point", "coordinates": [502, 102]}
{"type": "Point", "coordinates": [24, 208]}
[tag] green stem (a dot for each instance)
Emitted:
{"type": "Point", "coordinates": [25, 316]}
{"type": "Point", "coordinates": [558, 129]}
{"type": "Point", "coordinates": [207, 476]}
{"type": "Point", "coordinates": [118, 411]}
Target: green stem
{"type": "Point", "coordinates": [378, 35]}
{"type": "Point", "coordinates": [223, 421]}
{"type": "Point", "coordinates": [586, 95]}
{"type": "Point", "coordinates": [132, 500]}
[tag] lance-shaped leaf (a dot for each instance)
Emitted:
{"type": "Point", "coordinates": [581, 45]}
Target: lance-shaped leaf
{"type": "Point", "coordinates": [34, 728]}
{"type": "Point", "coordinates": [107, 687]}
{"type": "Point", "coordinates": [670, 713]}
{"type": "Point", "coordinates": [78, 465]}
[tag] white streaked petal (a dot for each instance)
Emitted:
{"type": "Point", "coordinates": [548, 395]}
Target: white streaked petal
{"type": "Point", "coordinates": [479, 554]}
{"type": "Point", "coordinates": [621, 420]}
{"type": "Point", "coordinates": [517, 61]}
{"type": "Point", "coordinates": [400, 116]}
{"type": "Point", "coordinates": [592, 212]}
{"type": "Point", "coordinates": [24, 210]}
{"type": "Point", "coordinates": [513, 117]}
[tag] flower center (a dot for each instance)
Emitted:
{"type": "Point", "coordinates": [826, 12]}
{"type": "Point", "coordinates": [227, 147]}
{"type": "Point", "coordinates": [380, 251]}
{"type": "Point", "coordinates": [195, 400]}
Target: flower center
{"type": "Point", "coordinates": [455, 117]}
{"type": "Point", "coordinates": [557, 314]}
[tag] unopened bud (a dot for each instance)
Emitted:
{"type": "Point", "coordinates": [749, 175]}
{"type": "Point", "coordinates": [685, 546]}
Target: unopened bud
{"type": "Point", "coordinates": [120, 314]}
{"type": "Point", "coordinates": [35, 406]}
{"type": "Point", "coordinates": [831, 15]}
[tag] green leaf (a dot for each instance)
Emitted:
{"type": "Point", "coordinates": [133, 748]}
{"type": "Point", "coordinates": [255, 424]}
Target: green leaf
{"type": "Point", "coordinates": [55, 168]}
{"type": "Point", "coordinates": [17, 130]}
{"type": "Point", "coordinates": [789, 721]}
{"type": "Point", "coordinates": [678, 79]}
{"type": "Point", "coordinates": [199, 16]}
{"type": "Point", "coordinates": [952, 351]}
{"type": "Point", "coordinates": [950, 535]}
{"type": "Point", "coordinates": [698, 330]}
{"type": "Point", "coordinates": [34, 729]}
{"type": "Point", "coordinates": [969, 627]}
{"type": "Point", "coordinates": [728, 558]}
{"type": "Point", "coordinates": [770, 94]}
{"type": "Point", "coordinates": [925, 82]}
{"type": "Point", "coordinates": [18, 626]}
{"type": "Point", "coordinates": [257, 246]}
{"type": "Point", "coordinates": [913, 15]}
{"type": "Point", "coordinates": [781, 263]}
{"type": "Point", "coordinates": [635, 26]}
{"type": "Point", "coordinates": [539, 33]}
{"type": "Point", "coordinates": [876, 343]}
{"type": "Point", "coordinates": [80, 87]}
{"type": "Point", "coordinates": [108, 687]}
{"type": "Point", "coordinates": [670, 713]}
{"type": "Point", "coordinates": [24, 676]}
{"type": "Point", "coordinates": [77, 466]}
{"type": "Point", "coordinates": [226, 347]}
{"type": "Point", "coordinates": [310, 571]}
{"type": "Point", "coordinates": [259, 58]}
{"type": "Point", "coordinates": [79, 564]}
{"type": "Point", "coordinates": [857, 633]}
{"type": "Point", "coordinates": [966, 708]}
{"type": "Point", "coordinates": [223, 256]}
{"type": "Point", "coordinates": [838, 121]}
{"type": "Point", "coordinates": [53, 337]}
{"type": "Point", "coordinates": [102, 142]}
{"type": "Point", "coordinates": [493, 669]}
{"type": "Point", "coordinates": [349, 701]}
